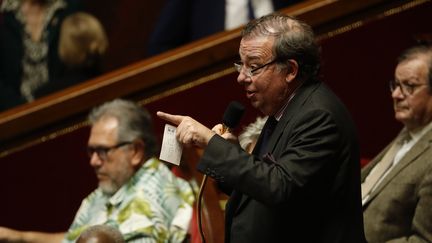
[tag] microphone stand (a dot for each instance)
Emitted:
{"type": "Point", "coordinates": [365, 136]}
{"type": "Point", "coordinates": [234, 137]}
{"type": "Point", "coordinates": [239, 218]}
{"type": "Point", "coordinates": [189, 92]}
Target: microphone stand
{"type": "Point", "coordinates": [199, 207]}
{"type": "Point", "coordinates": [232, 116]}
{"type": "Point", "coordinates": [225, 128]}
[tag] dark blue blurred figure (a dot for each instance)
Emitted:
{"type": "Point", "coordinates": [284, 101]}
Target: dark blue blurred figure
{"type": "Point", "coordinates": [183, 21]}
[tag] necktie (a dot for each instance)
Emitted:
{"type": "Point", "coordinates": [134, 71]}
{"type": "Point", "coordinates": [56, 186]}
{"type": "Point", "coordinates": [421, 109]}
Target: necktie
{"type": "Point", "coordinates": [267, 132]}
{"type": "Point", "coordinates": [386, 162]}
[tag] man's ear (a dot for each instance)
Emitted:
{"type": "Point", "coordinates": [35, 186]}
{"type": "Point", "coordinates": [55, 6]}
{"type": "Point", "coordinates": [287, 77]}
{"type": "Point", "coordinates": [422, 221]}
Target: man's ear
{"type": "Point", "coordinates": [292, 70]}
{"type": "Point", "coordinates": [139, 152]}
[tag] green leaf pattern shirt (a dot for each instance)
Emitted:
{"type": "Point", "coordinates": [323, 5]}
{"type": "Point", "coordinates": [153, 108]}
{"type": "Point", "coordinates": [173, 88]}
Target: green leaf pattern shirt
{"type": "Point", "coordinates": [154, 206]}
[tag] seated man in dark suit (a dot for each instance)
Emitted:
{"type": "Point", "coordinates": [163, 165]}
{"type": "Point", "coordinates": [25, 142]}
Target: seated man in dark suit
{"type": "Point", "coordinates": [397, 184]}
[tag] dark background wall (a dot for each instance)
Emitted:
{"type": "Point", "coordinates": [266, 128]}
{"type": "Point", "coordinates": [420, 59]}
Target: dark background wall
{"type": "Point", "coordinates": [128, 25]}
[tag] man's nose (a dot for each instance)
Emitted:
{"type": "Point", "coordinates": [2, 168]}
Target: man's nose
{"type": "Point", "coordinates": [397, 93]}
{"type": "Point", "coordinates": [242, 77]}
{"type": "Point", "coordinates": [95, 161]}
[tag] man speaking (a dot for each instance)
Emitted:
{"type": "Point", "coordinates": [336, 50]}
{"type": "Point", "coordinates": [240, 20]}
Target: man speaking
{"type": "Point", "coordinates": [302, 182]}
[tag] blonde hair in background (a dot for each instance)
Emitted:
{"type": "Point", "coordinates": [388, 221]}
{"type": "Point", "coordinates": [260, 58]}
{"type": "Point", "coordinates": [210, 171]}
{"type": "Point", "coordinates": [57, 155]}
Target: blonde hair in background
{"type": "Point", "coordinates": [82, 40]}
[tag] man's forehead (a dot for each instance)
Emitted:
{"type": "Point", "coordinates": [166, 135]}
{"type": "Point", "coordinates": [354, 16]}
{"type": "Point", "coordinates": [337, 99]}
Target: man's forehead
{"type": "Point", "coordinates": [104, 131]}
{"type": "Point", "coordinates": [256, 41]}
{"type": "Point", "coordinates": [108, 122]}
{"type": "Point", "coordinates": [413, 67]}
{"type": "Point", "coordinates": [256, 47]}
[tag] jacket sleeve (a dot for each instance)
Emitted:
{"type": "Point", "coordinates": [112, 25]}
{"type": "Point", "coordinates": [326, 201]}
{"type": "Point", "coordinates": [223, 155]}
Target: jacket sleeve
{"type": "Point", "coordinates": [421, 224]}
{"type": "Point", "coordinates": [300, 156]}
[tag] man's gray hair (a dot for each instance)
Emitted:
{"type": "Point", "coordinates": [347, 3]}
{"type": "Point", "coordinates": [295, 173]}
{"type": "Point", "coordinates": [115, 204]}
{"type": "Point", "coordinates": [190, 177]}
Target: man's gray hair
{"type": "Point", "coordinates": [134, 122]}
{"type": "Point", "coordinates": [251, 132]}
{"type": "Point", "coordinates": [418, 51]}
{"type": "Point", "coordinates": [294, 39]}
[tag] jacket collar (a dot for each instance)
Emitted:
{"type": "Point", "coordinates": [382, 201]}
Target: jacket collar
{"type": "Point", "coordinates": [417, 150]}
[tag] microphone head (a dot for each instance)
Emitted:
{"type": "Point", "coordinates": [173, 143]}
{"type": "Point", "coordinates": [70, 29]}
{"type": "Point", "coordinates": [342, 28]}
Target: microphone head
{"type": "Point", "coordinates": [233, 114]}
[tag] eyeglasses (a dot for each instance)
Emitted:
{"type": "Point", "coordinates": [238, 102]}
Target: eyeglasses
{"type": "Point", "coordinates": [251, 71]}
{"type": "Point", "coordinates": [102, 151]}
{"type": "Point", "coordinates": [406, 88]}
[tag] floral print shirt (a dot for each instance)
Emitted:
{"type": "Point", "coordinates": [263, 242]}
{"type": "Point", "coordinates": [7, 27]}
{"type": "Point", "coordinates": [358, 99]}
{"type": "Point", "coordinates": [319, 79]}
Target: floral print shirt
{"type": "Point", "coordinates": [154, 206]}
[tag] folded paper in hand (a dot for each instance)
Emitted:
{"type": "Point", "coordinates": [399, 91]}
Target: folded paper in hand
{"type": "Point", "coordinates": [171, 150]}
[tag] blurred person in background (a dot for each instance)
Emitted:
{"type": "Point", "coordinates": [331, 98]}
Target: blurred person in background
{"type": "Point", "coordinates": [183, 21]}
{"type": "Point", "coordinates": [250, 134]}
{"type": "Point", "coordinates": [82, 44]}
{"type": "Point", "coordinates": [29, 36]}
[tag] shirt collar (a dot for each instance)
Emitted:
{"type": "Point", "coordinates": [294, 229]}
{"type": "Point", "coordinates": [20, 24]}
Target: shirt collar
{"type": "Point", "coordinates": [281, 111]}
{"type": "Point", "coordinates": [416, 135]}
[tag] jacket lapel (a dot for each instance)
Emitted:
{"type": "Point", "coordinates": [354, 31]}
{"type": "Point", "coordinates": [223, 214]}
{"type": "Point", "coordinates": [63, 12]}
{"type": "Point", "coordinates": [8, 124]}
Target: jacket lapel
{"type": "Point", "coordinates": [295, 105]}
{"type": "Point", "coordinates": [293, 108]}
{"type": "Point", "coordinates": [368, 168]}
{"type": "Point", "coordinates": [417, 150]}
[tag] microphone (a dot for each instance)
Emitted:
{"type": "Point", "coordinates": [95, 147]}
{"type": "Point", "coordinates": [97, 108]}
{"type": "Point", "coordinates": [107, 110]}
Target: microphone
{"type": "Point", "coordinates": [232, 116]}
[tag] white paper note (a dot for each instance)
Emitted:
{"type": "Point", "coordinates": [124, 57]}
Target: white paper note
{"type": "Point", "coordinates": [171, 150]}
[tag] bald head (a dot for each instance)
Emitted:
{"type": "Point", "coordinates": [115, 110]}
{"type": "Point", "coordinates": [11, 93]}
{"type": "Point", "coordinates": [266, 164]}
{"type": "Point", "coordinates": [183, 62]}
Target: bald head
{"type": "Point", "coordinates": [101, 234]}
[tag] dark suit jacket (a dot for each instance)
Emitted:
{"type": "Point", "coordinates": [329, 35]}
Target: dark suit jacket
{"type": "Point", "coordinates": [400, 209]}
{"type": "Point", "coordinates": [183, 21]}
{"type": "Point", "coordinates": [306, 189]}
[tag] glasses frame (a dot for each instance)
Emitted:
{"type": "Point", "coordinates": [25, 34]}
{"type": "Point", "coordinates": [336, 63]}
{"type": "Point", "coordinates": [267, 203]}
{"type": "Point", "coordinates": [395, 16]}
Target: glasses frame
{"type": "Point", "coordinates": [406, 89]}
{"type": "Point", "coordinates": [250, 72]}
{"type": "Point", "coordinates": [102, 151]}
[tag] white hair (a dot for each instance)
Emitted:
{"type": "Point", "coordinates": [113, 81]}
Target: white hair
{"type": "Point", "coordinates": [251, 132]}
